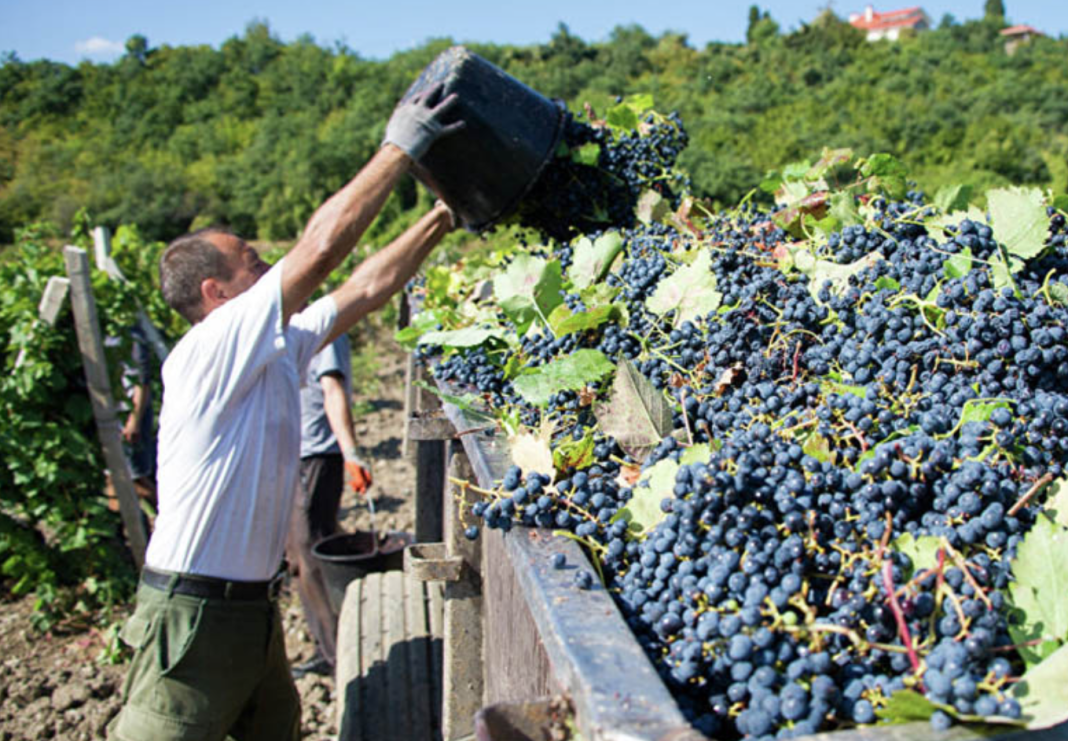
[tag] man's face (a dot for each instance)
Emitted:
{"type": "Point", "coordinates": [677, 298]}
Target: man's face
{"type": "Point", "coordinates": [246, 265]}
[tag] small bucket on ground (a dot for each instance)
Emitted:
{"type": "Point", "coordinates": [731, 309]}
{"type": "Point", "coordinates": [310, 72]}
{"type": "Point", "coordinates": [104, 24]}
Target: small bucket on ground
{"type": "Point", "coordinates": [347, 556]}
{"type": "Point", "coordinates": [484, 170]}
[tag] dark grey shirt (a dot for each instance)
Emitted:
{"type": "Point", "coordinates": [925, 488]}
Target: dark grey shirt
{"type": "Point", "coordinates": [316, 437]}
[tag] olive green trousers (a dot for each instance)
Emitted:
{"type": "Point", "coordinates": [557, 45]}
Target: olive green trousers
{"type": "Point", "coordinates": [206, 669]}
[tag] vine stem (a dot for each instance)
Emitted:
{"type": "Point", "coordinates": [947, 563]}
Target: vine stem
{"type": "Point", "coordinates": [899, 615]}
{"type": "Point", "coordinates": [1035, 488]}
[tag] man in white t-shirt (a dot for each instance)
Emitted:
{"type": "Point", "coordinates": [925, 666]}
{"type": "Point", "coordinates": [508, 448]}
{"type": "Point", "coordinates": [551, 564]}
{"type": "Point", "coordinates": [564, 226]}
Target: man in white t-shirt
{"type": "Point", "coordinates": [209, 656]}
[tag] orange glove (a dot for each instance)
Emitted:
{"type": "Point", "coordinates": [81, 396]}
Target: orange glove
{"type": "Point", "coordinates": [359, 474]}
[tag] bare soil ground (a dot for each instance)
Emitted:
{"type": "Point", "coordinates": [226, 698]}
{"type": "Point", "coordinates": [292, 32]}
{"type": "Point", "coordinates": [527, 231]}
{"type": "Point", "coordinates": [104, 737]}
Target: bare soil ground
{"type": "Point", "coordinates": [53, 687]}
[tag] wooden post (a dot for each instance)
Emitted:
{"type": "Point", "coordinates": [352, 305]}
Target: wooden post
{"type": "Point", "coordinates": [91, 344]}
{"type": "Point", "coordinates": [104, 261]}
{"type": "Point", "coordinates": [55, 293]}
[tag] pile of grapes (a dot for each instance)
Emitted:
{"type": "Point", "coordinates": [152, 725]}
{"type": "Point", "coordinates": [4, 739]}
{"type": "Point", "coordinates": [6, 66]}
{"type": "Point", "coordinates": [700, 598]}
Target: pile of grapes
{"type": "Point", "coordinates": [857, 462]}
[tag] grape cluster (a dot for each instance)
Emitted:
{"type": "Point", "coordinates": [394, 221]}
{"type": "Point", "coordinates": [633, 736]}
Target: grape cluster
{"type": "Point", "coordinates": [773, 597]}
{"type": "Point", "coordinates": [571, 197]}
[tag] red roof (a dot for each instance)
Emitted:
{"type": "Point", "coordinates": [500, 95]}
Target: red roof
{"type": "Point", "coordinates": [906, 18]}
{"type": "Point", "coordinates": [1020, 30]}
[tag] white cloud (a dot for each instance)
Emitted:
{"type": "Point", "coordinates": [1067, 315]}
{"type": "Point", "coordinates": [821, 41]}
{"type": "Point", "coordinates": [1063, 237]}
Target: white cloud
{"type": "Point", "coordinates": [98, 46]}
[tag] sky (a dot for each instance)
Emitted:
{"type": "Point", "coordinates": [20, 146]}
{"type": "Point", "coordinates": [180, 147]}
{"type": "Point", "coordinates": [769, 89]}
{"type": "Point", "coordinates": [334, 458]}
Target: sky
{"type": "Point", "coordinates": [72, 30]}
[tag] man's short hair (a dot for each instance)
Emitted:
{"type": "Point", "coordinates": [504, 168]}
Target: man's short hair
{"type": "Point", "coordinates": [188, 261]}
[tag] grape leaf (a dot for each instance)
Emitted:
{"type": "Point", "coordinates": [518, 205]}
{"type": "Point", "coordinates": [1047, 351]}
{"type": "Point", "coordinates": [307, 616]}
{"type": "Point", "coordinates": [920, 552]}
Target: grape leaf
{"type": "Point", "coordinates": [642, 512]}
{"type": "Point", "coordinates": [533, 452]}
{"type": "Point", "coordinates": [952, 198]}
{"type": "Point", "coordinates": [529, 288]}
{"type": "Point", "coordinates": [818, 447]}
{"type": "Point", "coordinates": [821, 271]}
{"type": "Point", "coordinates": [588, 154]}
{"type": "Point", "coordinates": [922, 551]}
{"type": "Point", "coordinates": [593, 259]}
{"type": "Point", "coordinates": [1042, 691]}
{"type": "Point", "coordinates": [959, 265]}
{"type": "Point", "coordinates": [1019, 220]}
{"type": "Point", "coordinates": [699, 453]}
{"type": "Point", "coordinates": [466, 337]}
{"type": "Point", "coordinates": [1057, 501]}
{"type": "Point", "coordinates": [636, 414]}
{"type": "Point", "coordinates": [1040, 590]}
{"type": "Point", "coordinates": [885, 281]}
{"type": "Point", "coordinates": [690, 291]}
{"type": "Point", "coordinates": [980, 410]}
{"type": "Point", "coordinates": [652, 207]}
{"type": "Point", "coordinates": [573, 453]}
{"type": "Point", "coordinates": [1001, 270]}
{"type": "Point", "coordinates": [564, 322]}
{"type": "Point", "coordinates": [467, 402]}
{"type": "Point", "coordinates": [424, 321]}
{"type": "Point", "coordinates": [568, 373]}
{"type": "Point", "coordinates": [909, 706]}
{"type": "Point", "coordinates": [627, 114]}
{"type": "Point", "coordinates": [885, 174]}
{"type": "Point", "coordinates": [1058, 292]}
{"type": "Point", "coordinates": [844, 209]}
{"type": "Point", "coordinates": [837, 387]}
{"type": "Point", "coordinates": [1060, 202]}
{"type": "Point", "coordinates": [828, 161]}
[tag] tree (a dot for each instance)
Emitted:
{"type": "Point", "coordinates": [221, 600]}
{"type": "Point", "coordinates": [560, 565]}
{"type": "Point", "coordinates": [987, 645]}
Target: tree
{"type": "Point", "coordinates": [948, 21]}
{"type": "Point", "coordinates": [763, 30]}
{"type": "Point", "coordinates": [754, 19]}
{"type": "Point", "coordinates": [994, 11]}
{"type": "Point", "coordinates": [137, 48]}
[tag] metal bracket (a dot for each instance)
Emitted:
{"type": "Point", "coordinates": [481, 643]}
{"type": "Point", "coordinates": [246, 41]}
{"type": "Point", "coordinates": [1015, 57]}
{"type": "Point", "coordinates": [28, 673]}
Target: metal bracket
{"type": "Point", "coordinates": [427, 428]}
{"type": "Point", "coordinates": [431, 562]}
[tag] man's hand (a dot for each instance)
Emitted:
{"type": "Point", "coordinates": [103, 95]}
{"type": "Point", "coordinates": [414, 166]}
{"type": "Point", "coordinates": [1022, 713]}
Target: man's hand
{"type": "Point", "coordinates": [359, 473]}
{"type": "Point", "coordinates": [130, 433]}
{"type": "Point", "coordinates": [418, 122]}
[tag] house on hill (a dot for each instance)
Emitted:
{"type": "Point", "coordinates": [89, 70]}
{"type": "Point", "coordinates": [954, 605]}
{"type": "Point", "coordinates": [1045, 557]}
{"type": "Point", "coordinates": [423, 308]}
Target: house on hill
{"type": "Point", "coordinates": [889, 25]}
{"type": "Point", "coordinates": [1016, 35]}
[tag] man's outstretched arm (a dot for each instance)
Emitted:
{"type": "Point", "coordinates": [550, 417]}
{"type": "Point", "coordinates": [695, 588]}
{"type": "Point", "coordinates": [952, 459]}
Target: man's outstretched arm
{"type": "Point", "coordinates": [337, 225]}
{"type": "Point", "coordinates": [384, 273]}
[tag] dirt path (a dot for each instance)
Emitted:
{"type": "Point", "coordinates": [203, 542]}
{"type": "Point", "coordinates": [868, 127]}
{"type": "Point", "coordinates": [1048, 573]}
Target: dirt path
{"type": "Point", "coordinates": [53, 687]}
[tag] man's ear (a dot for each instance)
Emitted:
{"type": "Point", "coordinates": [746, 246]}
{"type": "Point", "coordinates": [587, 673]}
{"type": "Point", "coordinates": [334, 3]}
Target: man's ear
{"type": "Point", "coordinates": [211, 293]}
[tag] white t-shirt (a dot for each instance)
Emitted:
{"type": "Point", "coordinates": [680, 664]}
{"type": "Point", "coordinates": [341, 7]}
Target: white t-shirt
{"type": "Point", "coordinates": [229, 435]}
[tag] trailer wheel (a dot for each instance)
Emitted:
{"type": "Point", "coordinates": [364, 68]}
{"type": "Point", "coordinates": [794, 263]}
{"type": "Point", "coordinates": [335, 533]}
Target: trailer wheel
{"type": "Point", "coordinates": [389, 659]}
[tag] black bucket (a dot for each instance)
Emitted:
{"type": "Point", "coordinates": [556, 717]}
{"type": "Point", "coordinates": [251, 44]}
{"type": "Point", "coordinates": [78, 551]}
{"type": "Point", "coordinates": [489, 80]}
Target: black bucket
{"type": "Point", "coordinates": [484, 170]}
{"type": "Point", "coordinates": [347, 556]}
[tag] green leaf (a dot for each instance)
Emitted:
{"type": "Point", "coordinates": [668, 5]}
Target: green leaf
{"type": "Point", "coordinates": [642, 512]}
{"type": "Point", "coordinates": [844, 209]}
{"type": "Point", "coordinates": [818, 447]}
{"type": "Point", "coordinates": [1040, 590]}
{"type": "Point", "coordinates": [593, 259]}
{"type": "Point", "coordinates": [951, 198]}
{"type": "Point", "coordinates": [1060, 202]}
{"type": "Point", "coordinates": [423, 322]}
{"type": "Point", "coordinates": [886, 174]}
{"type": "Point", "coordinates": [796, 170]}
{"type": "Point", "coordinates": [837, 387]}
{"type": "Point", "coordinates": [959, 265]}
{"type": "Point", "coordinates": [980, 410]}
{"type": "Point", "coordinates": [636, 414]}
{"type": "Point", "coordinates": [1042, 691]}
{"type": "Point", "coordinates": [573, 453]}
{"type": "Point", "coordinates": [829, 161]}
{"type": "Point", "coordinates": [528, 289]}
{"type": "Point", "coordinates": [580, 321]}
{"type": "Point", "coordinates": [622, 116]}
{"type": "Point", "coordinates": [699, 453]}
{"type": "Point", "coordinates": [1059, 292]}
{"type": "Point", "coordinates": [690, 291]}
{"type": "Point", "coordinates": [1057, 501]}
{"type": "Point", "coordinates": [1018, 216]}
{"type": "Point", "coordinates": [466, 337]}
{"type": "Point", "coordinates": [772, 182]}
{"type": "Point", "coordinates": [906, 706]}
{"type": "Point", "coordinates": [922, 551]}
{"type": "Point", "coordinates": [569, 373]}
{"type": "Point", "coordinates": [588, 154]}
{"type": "Point", "coordinates": [886, 282]}
{"type": "Point", "coordinates": [1001, 272]}
{"type": "Point", "coordinates": [468, 402]}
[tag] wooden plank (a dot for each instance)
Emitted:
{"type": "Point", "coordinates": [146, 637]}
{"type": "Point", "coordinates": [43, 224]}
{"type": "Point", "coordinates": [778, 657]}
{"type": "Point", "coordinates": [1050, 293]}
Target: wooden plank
{"type": "Point", "coordinates": [91, 344]}
{"type": "Point", "coordinates": [373, 668]}
{"type": "Point", "coordinates": [517, 667]}
{"type": "Point", "coordinates": [347, 677]}
{"type": "Point", "coordinates": [106, 263]}
{"type": "Point", "coordinates": [417, 629]}
{"type": "Point", "coordinates": [436, 614]}
{"type": "Point", "coordinates": [398, 679]}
